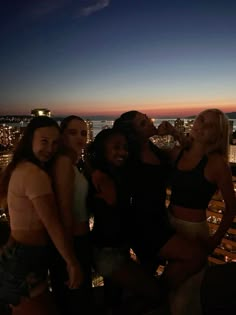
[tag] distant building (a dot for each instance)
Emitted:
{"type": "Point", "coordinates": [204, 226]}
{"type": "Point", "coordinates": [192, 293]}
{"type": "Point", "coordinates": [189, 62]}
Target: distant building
{"type": "Point", "coordinates": [9, 136]}
{"type": "Point", "coordinates": [89, 124]}
{"type": "Point", "coordinates": [234, 137]}
{"type": "Point", "coordinates": [105, 127]}
{"type": "Point", "coordinates": [231, 129]}
{"type": "Point", "coordinates": [179, 125]}
{"type": "Point", "coordinates": [188, 126]}
{"type": "Point", "coordinates": [5, 159]}
{"type": "Point", "coordinates": [40, 112]}
{"type": "Point", "coordinates": [232, 154]}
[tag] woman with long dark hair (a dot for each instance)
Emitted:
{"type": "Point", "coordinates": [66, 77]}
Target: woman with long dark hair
{"type": "Point", "coordinates": [71, 188]}
{"type": "Point", "coordinates": [152, 237]}
{"type": "Point", "coordinates": [26, 186]}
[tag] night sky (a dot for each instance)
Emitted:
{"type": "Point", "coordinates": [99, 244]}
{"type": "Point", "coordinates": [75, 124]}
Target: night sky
{"type": "Point", "coordinates": [162, 57]}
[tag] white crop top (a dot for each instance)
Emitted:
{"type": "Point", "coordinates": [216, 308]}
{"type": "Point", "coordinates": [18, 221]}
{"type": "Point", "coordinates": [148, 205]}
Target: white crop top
{"type": "Point", "coordinates": [80, 209]}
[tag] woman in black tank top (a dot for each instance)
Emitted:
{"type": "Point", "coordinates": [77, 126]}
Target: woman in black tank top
{"type": "Point", "coordinates": [199, 171]}
{"type": "Point", "coordinates": [151, 235]}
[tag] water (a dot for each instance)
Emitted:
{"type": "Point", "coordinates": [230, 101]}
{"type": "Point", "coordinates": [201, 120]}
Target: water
{"type": "Point", "coordinates": [98, 125]}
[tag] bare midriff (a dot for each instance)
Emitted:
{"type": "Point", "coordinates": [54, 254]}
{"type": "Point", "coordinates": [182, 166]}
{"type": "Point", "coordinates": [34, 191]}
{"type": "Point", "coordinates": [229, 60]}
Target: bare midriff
{"type": "Point", "coordinates": [81, 228]}
{"type": "Point", "coordinates": [188, 214]}
{"type": "Point", "coordinates": [30, 237]}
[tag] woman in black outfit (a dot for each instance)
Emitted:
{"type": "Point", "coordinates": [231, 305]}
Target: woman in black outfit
{"type": "Point", "coordinates": [151, 235]}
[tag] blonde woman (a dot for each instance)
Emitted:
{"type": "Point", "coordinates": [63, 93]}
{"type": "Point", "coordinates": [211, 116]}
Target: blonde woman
{"type": "Point", "coordinates": [200, 169]}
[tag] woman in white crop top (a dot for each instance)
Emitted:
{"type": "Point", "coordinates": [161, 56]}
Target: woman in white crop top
{"type": "Point", "coordinates": [71, 188]}
{"type": "Point", "coordinates": [24, 262]}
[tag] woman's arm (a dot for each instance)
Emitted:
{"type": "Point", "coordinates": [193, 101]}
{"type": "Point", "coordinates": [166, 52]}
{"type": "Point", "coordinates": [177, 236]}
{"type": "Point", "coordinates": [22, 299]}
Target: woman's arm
{"type": "Point", "coordinates": [63, 182]}
{"type": "Point", "coordinates": [221, 172]}
{"type": "Point", "coordinates": [45, 207]}
{"type": "Point", "coordinates": [38, 190]}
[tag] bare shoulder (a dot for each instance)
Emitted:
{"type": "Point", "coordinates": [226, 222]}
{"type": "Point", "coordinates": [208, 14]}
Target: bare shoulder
{"type": "Point", "coordinates": [99, 177]}
{"type": "Point", "coordinates": [29, 169]}
{"type": "Point", "coordinates": [28, 166]}
{"type": "Point", "coordinates": [217, 160]}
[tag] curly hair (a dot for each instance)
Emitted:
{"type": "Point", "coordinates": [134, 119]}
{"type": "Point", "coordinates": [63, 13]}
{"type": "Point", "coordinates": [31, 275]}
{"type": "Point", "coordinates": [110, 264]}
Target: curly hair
{"type": "Point", "coordinates": [96, 152]}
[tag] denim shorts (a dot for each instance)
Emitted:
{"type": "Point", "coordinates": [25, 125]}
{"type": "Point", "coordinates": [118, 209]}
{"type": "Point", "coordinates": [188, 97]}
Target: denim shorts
{"type": "Point", "coordinates": [21, 268]}
{"type": "Point", "coordinates": [107, 260]}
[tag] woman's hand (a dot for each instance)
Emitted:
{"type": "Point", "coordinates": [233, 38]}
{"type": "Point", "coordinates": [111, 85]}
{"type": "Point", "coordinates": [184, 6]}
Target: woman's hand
{"type": "Point", "coordinates": [165, 128]}
{"type": "Point", "coordinates": [105, 187]}
{"type": "Point", "coordinates": [75, 275]}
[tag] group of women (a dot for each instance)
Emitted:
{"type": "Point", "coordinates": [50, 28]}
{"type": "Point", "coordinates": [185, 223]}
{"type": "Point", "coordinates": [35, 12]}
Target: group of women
{"type": "Point", "coordinates": [127, 176]}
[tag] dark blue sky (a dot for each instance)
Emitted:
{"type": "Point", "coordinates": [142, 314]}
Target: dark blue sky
{"type": "Point", "coordinates": [91, 57]}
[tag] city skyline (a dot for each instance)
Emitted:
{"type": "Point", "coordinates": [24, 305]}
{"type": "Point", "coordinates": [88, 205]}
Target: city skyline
{"type": "Point", "coordinates": [104, 57]}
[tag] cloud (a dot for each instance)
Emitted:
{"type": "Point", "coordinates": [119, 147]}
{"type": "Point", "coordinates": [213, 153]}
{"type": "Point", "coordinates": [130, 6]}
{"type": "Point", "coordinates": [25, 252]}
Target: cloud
{"type": "Point", "coordinates": [17, 12]}
{"type": "Point", "coordinates": [97, 6]}
{"type": "Point", "coordinates": [46, 7]}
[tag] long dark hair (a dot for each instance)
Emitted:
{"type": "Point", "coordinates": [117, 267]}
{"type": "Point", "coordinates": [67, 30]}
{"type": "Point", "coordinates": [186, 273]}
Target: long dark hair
{"type": "Point", "coordinates": [65, 150]}
{"type": "Point", "coordinates": [65, 122]}
{"type": "Point", "coordinates": [125, 124]}
{"type": "Point", "coordinates": [24, 151]}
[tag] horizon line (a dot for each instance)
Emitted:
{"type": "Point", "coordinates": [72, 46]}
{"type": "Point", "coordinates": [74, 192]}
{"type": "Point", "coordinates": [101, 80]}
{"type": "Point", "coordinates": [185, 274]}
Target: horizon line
{"type": "Point", "coordinates": [99, 116]}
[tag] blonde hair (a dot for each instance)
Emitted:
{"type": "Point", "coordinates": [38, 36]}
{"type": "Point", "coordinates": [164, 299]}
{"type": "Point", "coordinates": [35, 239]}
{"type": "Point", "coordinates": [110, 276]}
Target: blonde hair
{"type": "Point", "coordinates": [221, 143]}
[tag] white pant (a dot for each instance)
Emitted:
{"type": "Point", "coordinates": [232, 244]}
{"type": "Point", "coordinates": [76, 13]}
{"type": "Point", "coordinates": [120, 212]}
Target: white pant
{"type": "Point", "coordinates": [186, 299]}
{"type": "Point", "coordinates": [191, 230]}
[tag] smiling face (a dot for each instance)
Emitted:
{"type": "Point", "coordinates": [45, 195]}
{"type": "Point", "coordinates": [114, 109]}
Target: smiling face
{"type": "Point", "coordinates": [206, 127]}
{"type": "Point", "coordinates": [116, 150]}
{"type": "Point", "coordinates": [211, 128]}
{"type": "Point", "coordinates": [45, 143]}
{"type": "Point", "coordinates": [75, 135]}
{"type": "Point", "coordinates": [143, 126]}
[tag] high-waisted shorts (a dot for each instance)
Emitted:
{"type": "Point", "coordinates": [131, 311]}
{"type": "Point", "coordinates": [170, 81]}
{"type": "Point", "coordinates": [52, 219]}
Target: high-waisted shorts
{"type": "Point", "coordinates": [22, 268]}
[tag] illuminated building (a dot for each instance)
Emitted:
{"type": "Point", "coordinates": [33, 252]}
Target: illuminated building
{"type": "Point", "coordinates": [232, 154]}
{"type": "Point", "coordinates": [89, 124]}
{"type": "Point", "coordinates": [188, 126]}
{"type": "Point", "coordinates": [40, 112]}
{"type": "Point", "coordinates": [9, 136]}
{"type": "Point", "coordinates": [231, 127]}
{"type": "Point", "coordinates": [179, 125]}
{"type": "Point", "coordinates": [5, 159]}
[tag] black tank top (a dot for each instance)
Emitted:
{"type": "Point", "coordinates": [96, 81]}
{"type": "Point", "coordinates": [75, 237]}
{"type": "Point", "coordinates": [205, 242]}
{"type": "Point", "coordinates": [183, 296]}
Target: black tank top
{"type": "Point", "coordinates": [190, 188]}
{"type": "Point", "coordinates": [150, 227]}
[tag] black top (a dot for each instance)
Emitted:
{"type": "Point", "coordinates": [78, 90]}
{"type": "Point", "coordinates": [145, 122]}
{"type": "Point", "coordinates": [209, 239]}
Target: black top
{"type": "Point", "coordinates": [190, 189]}
{"type": "Point", "coordinates": [111, 222]}
{"type": "Point", "coordinates": [150, 228]}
